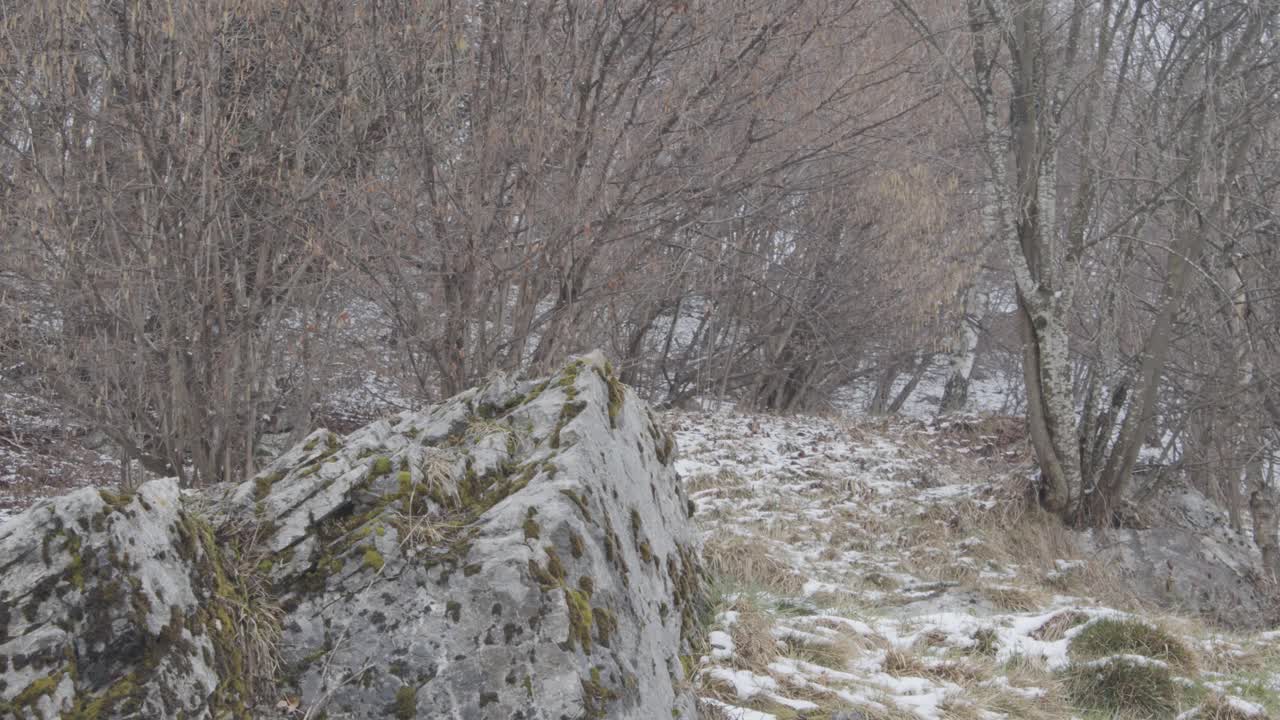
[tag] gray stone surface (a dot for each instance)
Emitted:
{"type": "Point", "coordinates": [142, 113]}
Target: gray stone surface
{"type": "Point", "coordinates": [521, 551]}
{"type": "Point", "coordinates": [1189, 559]}
{"type": "Point", "coordinates": [104, 606]}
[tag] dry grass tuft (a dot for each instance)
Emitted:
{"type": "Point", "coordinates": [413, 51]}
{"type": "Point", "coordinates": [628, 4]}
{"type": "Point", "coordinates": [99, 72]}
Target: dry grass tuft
{"type": "Point", "coordinates": [988, 434]}
{"type": "Point", "coordinates": [438, 470]}
{"type": "Point", "coordinates": [723, 480]}
{"type": "Point", "coordinates": [480, 427]}
{"type": "Point", "coordinates": [709, 711]}
{"type": "Point", "coordinates": [1014, 705]}
{"type": "Point", "coordinates": [747, 562]}
{"type": "Point", "coordinates": [1013, 599]}
{"type": "Point", "coordinates": [932, 639]}
{"type": "Point", "coordinates": [836, 654]}
{"type": "Point", "coordinates": [959, 672]}
{"type": "Point", "coordinates": [880, 581]}
{"type": "Point", "coordinates": [1218, 707]}
{"type": "Point", "coordinates": [1120, 686]}
{"type": "Point", "coordinates": [961, 708]}
{"type": "Point", "coordinates": [752, 635]}
{"type": "Point", "coordinates": [247, 599]}
{"type": "Point", "coordinates": [902, 663]}
{"type": "Point", "coordinates": [1239, 658]}
{"type": "Point", "coordinates": [1016, 535]}
{"type": "Point", "coordinates": [828, 599]}
{"type": "Point", "coordinates": [986, 642]}
{"type": "Point", "coordinates": [1056, 627]}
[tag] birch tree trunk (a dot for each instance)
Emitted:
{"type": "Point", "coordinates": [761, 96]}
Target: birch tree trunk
{"type": "Point", "coordinates": [1049, 257]}
{"type": "Point", "coordinates": [964, 351]}
{"type": "Point", "coordinates": [1262, 509]}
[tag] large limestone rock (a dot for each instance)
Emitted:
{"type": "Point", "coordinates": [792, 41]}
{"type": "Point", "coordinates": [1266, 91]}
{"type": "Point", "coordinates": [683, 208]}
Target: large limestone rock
{"type": "Point", "coordinates": [109, 608]}
{"type": "Point", "coordinates": [520, 551]}
{"type": "Point", "coordinates": [1187, 558]}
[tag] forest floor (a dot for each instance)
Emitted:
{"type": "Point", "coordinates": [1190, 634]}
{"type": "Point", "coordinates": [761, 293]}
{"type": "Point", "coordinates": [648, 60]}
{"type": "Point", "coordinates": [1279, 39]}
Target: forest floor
{"type": "Point", "coordinates": [41, 454]}
{"type": "Point", "coordinates": [885, 569]}
{"type": "Point", "coordinates": [870, 569]}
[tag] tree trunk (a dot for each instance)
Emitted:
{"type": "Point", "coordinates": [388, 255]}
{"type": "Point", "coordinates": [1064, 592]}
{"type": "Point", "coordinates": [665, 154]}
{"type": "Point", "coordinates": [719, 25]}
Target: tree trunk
{"type": "Point", "coordinates": [1050, 407]}
{"type": "Point", "coordinates": [459, 290]}
{"type": "Point", "coordinates": [964, 351]}
{"type": "Point", "coordinates": [880, 399]}
{"type": "Point", "coordinates": [1266, 522]}
{"type": "Point", "coordinates": [917, 373]}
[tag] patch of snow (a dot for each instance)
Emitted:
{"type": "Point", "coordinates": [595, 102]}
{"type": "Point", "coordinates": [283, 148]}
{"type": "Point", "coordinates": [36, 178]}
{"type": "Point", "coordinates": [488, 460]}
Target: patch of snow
{"type": "Point", "coordinates": [722, 647]}
{"type": "Point", "coordinates": [745, 683]}
{"type": "Point", "coordinates": [737, 713]}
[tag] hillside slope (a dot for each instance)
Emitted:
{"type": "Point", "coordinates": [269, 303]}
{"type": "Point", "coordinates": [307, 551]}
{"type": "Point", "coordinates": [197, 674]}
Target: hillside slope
{"type": "Point", "coordinates": [889, 569]}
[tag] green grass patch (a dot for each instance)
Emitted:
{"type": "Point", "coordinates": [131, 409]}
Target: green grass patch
{"type": "Point", "coordinates": [1123, 686]}
{"type": "Point", "coordinates": [1113, 636]}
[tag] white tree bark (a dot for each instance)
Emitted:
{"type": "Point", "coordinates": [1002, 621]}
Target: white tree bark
{"type": "Point", "coordinates": [964, 350]}
{"type": "Point", "coordinates": [1266, 520]}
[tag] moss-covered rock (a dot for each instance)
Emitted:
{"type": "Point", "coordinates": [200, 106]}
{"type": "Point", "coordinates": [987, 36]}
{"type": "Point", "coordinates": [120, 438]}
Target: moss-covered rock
{"type": "Point", "coordinates": [395, 569]}
{"type": "Point", "coordinates": [135, 596]}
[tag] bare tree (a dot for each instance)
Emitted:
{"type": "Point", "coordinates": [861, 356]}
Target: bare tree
{"type": "Point", "coordinates": [169, 191]}
{"type": "Point", "coordinates": [1139, 115]}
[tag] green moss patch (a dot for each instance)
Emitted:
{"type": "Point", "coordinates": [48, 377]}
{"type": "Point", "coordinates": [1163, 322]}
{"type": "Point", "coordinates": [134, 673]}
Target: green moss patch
{"type": "Point", "coordinates": [580, 619]}
{"type": "Point", "coordinates": [554, 566]}
{"type": "Point", "coordinates": [406, 705]}
{"type": "Point", "coordinates": [36, 690]}
{"type": "Point", "coordinates": [531, 528]}
{"type": "Point", "coordinates": [606, 625]}
{"type": "Point", "coordinates": [596, 696]}
{"type": "Point", "coordinates": [544, 578]}
{"type": "Point", "coordinates": [577, 501]}
{"type": "Point", "coordinates": [381, 466]}
{"type": "Point", "coordinates": [263, 483]}
{"type": "Point", "coordinates": [122, 698]}
{"type": "Point", "coordinates": [663, 443]}
{"type": "Point", "coordinates": [617, 393]}
{"type": "Point", "coordinates": [568, 412]}
{"type": "Point", "coordinates": [373, 559]}
{"type": "Point", "coordinates": [115, 501]}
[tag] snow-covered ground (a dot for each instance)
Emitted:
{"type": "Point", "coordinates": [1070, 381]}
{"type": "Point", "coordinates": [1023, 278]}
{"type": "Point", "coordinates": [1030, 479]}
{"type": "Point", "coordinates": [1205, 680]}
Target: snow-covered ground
{"type": "Point", "coordinates": [885, 569]}
{"type": "Point", "coordinates": [41, 453]}
{"type": "Point", "coordinates": [864, 568]}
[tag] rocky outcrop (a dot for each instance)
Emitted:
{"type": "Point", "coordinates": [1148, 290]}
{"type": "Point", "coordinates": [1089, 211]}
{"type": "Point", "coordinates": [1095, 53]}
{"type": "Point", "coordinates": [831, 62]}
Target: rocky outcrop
{"type": "Point", "coordinates": [110, 607]}
{"type": "Point", "coordinates": [520, 551]}
{"type": "Point", "coordinates": [1187, 558]}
